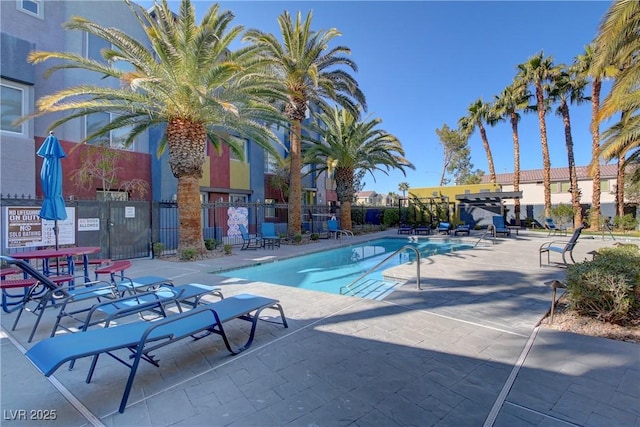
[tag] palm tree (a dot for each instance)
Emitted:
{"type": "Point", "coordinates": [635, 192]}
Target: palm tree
{"type": "Point", "coordinates": [479, 113]}
{"type": "Point", "coordinates": [350, 146]}
{"type": "Point", "coordinates": [404, 187]}
{"type": "Point", "coordinates": [617, 45]}
{"type": "Point", "coordinates": [312, 75]}
{"type": "Point", "coordinates": [538, 70]}
{"type": "Point", "coordinates": [567, 87]}
{"type": "Point", "coordinates": [512, 99]}
{"type": "Point", "coordinates": [582, 64]}
{"type": "Point", "coordinates": [188, 79]}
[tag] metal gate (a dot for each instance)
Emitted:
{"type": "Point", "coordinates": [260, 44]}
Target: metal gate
{"type": "Point", "coordinates": [128, 229]}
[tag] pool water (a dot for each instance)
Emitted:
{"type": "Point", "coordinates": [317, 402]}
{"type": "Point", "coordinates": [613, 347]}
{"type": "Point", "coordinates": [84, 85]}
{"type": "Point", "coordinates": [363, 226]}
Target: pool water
{"type": "Point", "coordinates": [331, 270]}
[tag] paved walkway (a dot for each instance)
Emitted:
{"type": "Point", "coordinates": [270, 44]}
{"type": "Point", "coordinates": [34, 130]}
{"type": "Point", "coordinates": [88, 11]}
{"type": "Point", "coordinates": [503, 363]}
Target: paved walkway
{"type": "Point", "coordinates": [464, 351]}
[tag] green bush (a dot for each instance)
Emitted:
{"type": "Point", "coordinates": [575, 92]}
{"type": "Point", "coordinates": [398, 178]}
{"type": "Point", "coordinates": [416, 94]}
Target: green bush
{"type": "Point", "coordinates": [227, 248]}
{"type": "Point", "coordinates": [626, 223]}
{"type": "Point", "coordinates": [189, 254]}
{"type": "Point", "coordinates": [297, 238]}
{"type": "Point", "coordinates": [315, 236]}
{"type": "Point", "coordinates": [210, 244]}
{"type": "Point", "coordinates": [608, 287]}
{"type": "Point", "coordinates": [357, 216]}
{"type": "Point", "coordinates": [562, 214]}
{"type": "Point", "coordinates": [391, 217]}
{"type": "Point", "coordinates": [158, 248]}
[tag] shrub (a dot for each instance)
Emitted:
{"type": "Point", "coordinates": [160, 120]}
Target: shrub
{"type": "Point", "coordinates": [227, 248]}
{"type": "Point", "coordinates": [625, 223]}
{"type": "Point", "coordinates": [189, 254]}
{"type": "Point", "coordinates": [297, 238]}
{"type": "Point", "coordinates": [158, 248]}
{"type": "Point", "coordinates": [315, 236]}
{"type": "Point", "coordinates": [607, 287]}
{"type": "Point", "coordinates": [562, 214]}
{"type": "Point", "coordinates": [391, 217]}
{"type": "Point", "coordinates": [210, 244]}
{"type": "Point", "coordinates": [357, 216]}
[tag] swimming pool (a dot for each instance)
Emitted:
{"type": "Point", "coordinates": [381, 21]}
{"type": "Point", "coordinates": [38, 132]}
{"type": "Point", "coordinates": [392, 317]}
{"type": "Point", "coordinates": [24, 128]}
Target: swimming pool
{"type": "Point", "coordinates": [329, 271]}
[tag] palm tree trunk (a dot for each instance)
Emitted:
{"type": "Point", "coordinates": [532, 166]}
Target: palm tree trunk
{"type": "Point", "coordinates": [345, 215]}
{"type": "Point", "coordinates": [546, 160]}
{"type": "Point", "coordinates": [487, 149]}
{"type": "Point", "coordinates": [189, 213]}
{"type": "Point", "coordinates": [295, 184]}
{"type": "Point", "coordinates": [516, 164]}
{"type": "Point", "coordinates": [573, 178]}
{"type": "Point", "coordinates": [595, 149]}
{"type": "Point", "coordinates": [620, 186]}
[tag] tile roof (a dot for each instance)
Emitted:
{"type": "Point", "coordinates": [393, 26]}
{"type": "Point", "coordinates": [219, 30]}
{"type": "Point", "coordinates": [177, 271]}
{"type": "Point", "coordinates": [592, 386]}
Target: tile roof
{"type": "Point", "coordinates": [557, 174]}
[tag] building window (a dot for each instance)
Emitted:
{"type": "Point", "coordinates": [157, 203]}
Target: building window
{"type": "Point", "coordinates": [270, 163]}
{"type": "Point", "coordinates": [269, 208]}
{"type": "Point", "coordinates": [604, 186]}
{"type": "Point", "coordinates": [115, 139]}
{"type": "Point", "coordinates": [31, 7]}
{"type": "Point", "coordinates": [13, 99]}
{"type": "Point", "coordinates": [237, 198]}
{"type": "Point", "coordinates": [242, 147]}
{"type": "Point", "coordinates": [555, 187]}
{"type": "Point", "coordinates": [94, 47]}
{"type": "Point", "coordinates": [564, 187]}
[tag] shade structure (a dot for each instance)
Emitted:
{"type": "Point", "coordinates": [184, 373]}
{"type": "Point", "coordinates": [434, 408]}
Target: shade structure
{"type": "Point", "coordinates": [53, 207]}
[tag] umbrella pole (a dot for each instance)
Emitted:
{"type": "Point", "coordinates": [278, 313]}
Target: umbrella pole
{"type": "Point", "coordinates": [55, 232]}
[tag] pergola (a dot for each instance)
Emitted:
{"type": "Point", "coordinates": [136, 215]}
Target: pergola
{"type": "Point", "coordinates": [486, 199]}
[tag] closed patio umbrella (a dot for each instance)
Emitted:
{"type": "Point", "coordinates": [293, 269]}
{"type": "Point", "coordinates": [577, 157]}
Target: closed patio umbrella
{"type": "Point", "coordinates": [53, 207]}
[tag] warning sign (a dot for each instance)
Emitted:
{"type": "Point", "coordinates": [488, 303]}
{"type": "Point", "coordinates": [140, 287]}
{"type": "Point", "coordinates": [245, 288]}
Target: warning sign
{"type": "Point", "coordinates": [25, 228]}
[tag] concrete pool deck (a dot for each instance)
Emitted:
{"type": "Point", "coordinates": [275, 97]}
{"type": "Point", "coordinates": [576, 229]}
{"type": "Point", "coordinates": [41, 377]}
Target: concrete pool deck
{"type": "Point", "coordinates": [464, 351]}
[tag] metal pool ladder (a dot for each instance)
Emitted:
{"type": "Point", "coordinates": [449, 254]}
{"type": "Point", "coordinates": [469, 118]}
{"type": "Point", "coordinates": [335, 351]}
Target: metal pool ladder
{"type": "Point", "coordinates": [405, 247]}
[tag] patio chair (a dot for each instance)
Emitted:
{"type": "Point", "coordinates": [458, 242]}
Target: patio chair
{"type": "Point", "coordinates": [46, 293]}
{"type": "Point", "coordinates": [423, 229]}
{"type": "Point", "coordinates": [248, 241]}
{"type": "Point", "coordinates": [336, 232]}
{"type": "Point", "coordinates": [405, 229]}
{"type": "Point", "coordinates": [561, 247]}
{"type": "Point", "coordinates": [499, 227]}
{"type": "Point", "coordinates": [270, 238]}
{"type": "Point", "coordinates": [139, 339]}
{"type": "Point", "coordinates": [443, 227]}
{"type": "Point", "coordinates": [553, 229]}
{"type": "Point", "coordinates": [462, 229]}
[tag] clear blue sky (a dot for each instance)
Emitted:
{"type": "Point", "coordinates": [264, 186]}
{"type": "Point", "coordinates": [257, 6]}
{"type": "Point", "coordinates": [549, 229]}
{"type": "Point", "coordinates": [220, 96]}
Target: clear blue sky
{"type": "Point", "coordinates": [422, 63]}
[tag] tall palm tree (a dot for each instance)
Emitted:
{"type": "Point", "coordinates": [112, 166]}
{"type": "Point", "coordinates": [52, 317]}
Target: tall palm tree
{"type": "Point", "coordinates": [313, 74]}
{"type": "Point", "coordinates": [537, 71]}
{"type": "Point", "coordinates": [187, 78]}
{"type": "Point", "coordinates": [512, 99]}
{"type": "Point", "coordinates": [582, 65]}
{"type": "Point", "coordinates": [478, 114]}
{"type": "Point", "coordinates": [350, 146]}
{"type": "Point", "coordinates": [618, 45]}
{"type": "Point", "coordinates": [566, 88]}
{"type": "Point", "coordinates": [404, 187]}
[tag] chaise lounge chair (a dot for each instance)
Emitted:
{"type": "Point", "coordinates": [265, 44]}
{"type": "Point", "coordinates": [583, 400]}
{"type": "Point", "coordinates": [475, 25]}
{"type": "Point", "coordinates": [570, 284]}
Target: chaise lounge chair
{"type": "Point", "coordinates": [139, 339]}
{"type": "Point", "coordinates": [462, 229]}
{"type": "Point", "coordinates": [553, 229]}
{"type": "Point", "coordinates": [444, 227]}
{"type": "Point", "coordinates": [248, 241]}
{"type": "Point", "coordinates": [561, 247]}
{"type": "Point", "coordinates": [405, 229]}
{"type": "Point", "coordinates": [499, 227]}
{"type": "Point", "coordinates": [423, 229]}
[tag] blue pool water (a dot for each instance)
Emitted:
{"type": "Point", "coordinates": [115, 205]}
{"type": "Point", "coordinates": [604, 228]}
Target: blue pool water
{"type": "Point", "coordinates": [330, 270]}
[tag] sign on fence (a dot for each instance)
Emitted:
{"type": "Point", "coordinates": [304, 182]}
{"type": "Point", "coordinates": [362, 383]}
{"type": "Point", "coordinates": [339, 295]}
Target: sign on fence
{"type": "Point", "coordinates": [25, 228]}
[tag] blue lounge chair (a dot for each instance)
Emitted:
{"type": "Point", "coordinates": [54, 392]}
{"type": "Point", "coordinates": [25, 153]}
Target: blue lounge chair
{"type": "Point", "coordinates": [270, 238]}
{"type": "Point", "coordinates": [462, 229]}
{"type": "Point", "coordinates": [405, 229]}
{"type": "Point", "coordinates": [444, 227]}
{"type": "Point", "coordinates": [553, 229]}
{"type": "Point", "coordinates": [499, 227]}
{"type": "Point", "coordinates": [248, 241]}
{"type": "Point", "coordinates": [561, 247]}
{"type": "Point", "coordinates": [423, 229]}
{"type": "Point", "coordinates": [336, 232]}
{"type": "Point", "coordinates": [46, 293]}
{"type": "Point", "coordinates": [142, 338]}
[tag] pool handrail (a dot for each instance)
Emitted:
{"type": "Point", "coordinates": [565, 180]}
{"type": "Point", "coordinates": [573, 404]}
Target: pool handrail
{"type": "Point", "coordinates": [348, 286]}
